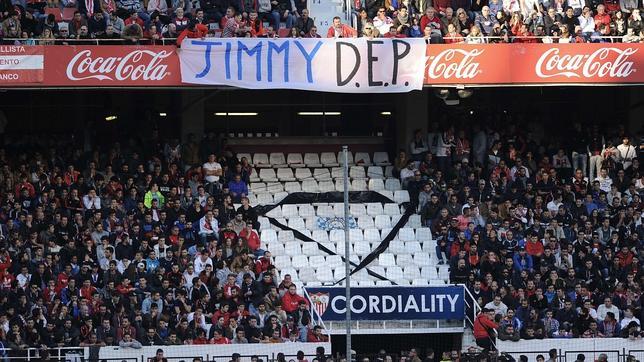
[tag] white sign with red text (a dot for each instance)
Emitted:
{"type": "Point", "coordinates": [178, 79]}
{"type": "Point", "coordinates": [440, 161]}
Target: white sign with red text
{"type": "Point", "coordinates": [21, 64]}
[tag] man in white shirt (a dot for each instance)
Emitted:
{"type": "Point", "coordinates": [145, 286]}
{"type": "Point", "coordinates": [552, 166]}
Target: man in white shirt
{"type": "Point", "coordinates": [608, 306]}
{"type": "Point", "coordinates": [604, 180]}
{"type": "Point", "coordinates": [382, 22]}
{"type": "Point", "coordinates": [23, 278]}
{"type": "Point", "coordinates": [628, 318]}
{"type": "Point", "coordinates": [626, 153]}
{"type": "Point", "coordinates": [211, 171]}
{"type": "Point", "coordinates": [202, 260]}
{"type": "Point", "coordinates": [208, 227]}
{"type": "Point", "coordinates": [498, 306]}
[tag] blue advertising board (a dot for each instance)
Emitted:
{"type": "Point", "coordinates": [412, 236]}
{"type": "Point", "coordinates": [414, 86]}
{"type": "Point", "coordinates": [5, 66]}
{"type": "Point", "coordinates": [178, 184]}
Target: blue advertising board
{"type": "Point", "coordinates": [389, 303]}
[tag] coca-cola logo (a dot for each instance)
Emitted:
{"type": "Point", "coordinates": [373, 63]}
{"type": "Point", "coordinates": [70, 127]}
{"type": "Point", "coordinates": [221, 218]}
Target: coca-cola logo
{"type": "Point", "coordinates": [140, 64]}
{"type": "Point", "coordinates": [603, 62]}
{"type": "Point", "coordinates": [454, 63]}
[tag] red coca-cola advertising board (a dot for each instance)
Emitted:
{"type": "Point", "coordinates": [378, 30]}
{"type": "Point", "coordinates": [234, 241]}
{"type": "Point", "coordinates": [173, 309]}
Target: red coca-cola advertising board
{"type": "Point", "coordinates": [547, 64]}
{"type": "Point", "coordinates": [108, 66]}
{"type": "Point", "coordinates": [453, 64]}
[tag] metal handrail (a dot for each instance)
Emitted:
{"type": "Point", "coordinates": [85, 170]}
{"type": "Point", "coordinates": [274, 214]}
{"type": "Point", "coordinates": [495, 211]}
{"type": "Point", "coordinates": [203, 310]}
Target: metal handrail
{"type": "Point", "coordinates": [172, 41]}
{"type": "Point", "coordinates": [33, 354]}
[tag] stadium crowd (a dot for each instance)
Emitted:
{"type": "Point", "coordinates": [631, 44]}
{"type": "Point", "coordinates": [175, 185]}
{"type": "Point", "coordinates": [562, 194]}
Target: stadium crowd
{"type": "Point", "coordinates": [140, 243]}
{"type": "Point", "coordinates": [545, 229]}
{"type": "Point", "coordinates": [440, 21]}
{"type": "Point", "coordinates": [126, 247]}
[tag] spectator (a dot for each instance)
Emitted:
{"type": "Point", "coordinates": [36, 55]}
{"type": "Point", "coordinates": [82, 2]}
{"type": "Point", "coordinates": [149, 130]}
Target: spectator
{"type": "Point", "coordinates": [339, 30]}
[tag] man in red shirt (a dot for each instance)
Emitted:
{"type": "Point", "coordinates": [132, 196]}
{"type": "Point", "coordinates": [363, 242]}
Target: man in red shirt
{"type": "Point", "coordinates": [291, 299]}
{"type": "Point", "coordinates": [195, 30]}
{"type": "Point", "coordinates": [339, 30]}
{"type": "Point", "coordinates": [483, 326]}
{"type": "Point", "coordinates": [534, 247]}
{"type": "Point", "coordinates": [252, 238]}
{"type": "Point", "coordinates": [393, 33]}
{"type": "Point", "coordinates": [602, 17]}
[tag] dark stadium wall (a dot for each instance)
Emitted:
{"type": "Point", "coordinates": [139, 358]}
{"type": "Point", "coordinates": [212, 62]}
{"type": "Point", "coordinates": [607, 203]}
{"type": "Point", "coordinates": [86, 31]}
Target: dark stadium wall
{"type": "Point", "coordinates": [394, 344]}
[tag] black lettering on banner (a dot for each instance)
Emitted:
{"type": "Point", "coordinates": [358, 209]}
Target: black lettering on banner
{"type": "Point", "coordinates": [370, 60]}
{"type": "Point", "coordinates": [398, 56]}
{"type": "Point", "coordinates": [338, 63]}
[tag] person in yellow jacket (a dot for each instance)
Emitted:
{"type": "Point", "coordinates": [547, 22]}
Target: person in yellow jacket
{"type": "Point", "coordinates": [153, 194]}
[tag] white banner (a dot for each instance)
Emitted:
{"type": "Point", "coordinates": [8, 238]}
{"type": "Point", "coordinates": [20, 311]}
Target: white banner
{"type": "Point", "coordinates": [329, 65]}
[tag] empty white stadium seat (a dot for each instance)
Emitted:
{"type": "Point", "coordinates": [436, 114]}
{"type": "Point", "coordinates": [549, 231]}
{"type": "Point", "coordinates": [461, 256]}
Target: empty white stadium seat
{"type": "Point", "coordinates": [324, 275]}
{"type": "Point", "coordinates": [362, 158]}
{"type": "Point", "coordinates": [306, 210]}
{"type": "Point", "coordinates": [401, 196]}
{"type": "Point", "coordinates": [293, 248]}
{"type": "Point", "coordinates": [312, 160]}
{"type": "Point", "coordinates": [296, 223]}
{"type": "Point", "coordinates": [329, 246]}
{"type": "Point", "coordinates": [362, 248]}
{"type": "Point", "coordinates": [381, 158]}
{"type": "Point", "coordinates": [261, 160]}
{"type": "Point", "coordinates": [429, 272]}
{"type": "Point", "coordinates": [405, 260]}
{"type": "Point", "coordinates": [307, 275]}
{"type": "Point", "coordinates": [334, 261]}
{"type": "Point", "coordinates": [423, 234]}
{"type": "Point", "coordinates": [285, 174]}
{"type": "Point", "coordinates": [349, 158]}
{"type": "Point", "coordinates": [355, 235]}
{"type": "Point", "coordinates": [396, 247]}
{"type": "Point", "coordinates": [267, 174]}
{"type": "Point", "coordinates": [285, 236]}
{"type": "Point", "coordinates": [375, 172]}
{"type": "Point", "coordinates": [337, 173]}
{"type": "Point", "coordinates": [328, 159]}
{"type": "Point", "coordinates": [317, 261]}
{"type": "Point", "coordinates": [320, 236]}
{"type": "Point", "coordinates": [295, 160]}
{"type": "Point", "coordinates": [366, 222]}
{"type": "Point", "coordinates": [321, 174]}
{"type": "Point", "coordinates": [357, 172]}
{"type": "Point", "coordinates": [406, 234]}
{"type": "Point", "coordinates": [383, 222]}
{"type": "Point", "coordinates": [358, 185]}
{"type": "Point", "coordinates": [389, 171]}
{"type": "Point", "coordinates": [421, 259]}
{"type": "Point", "coordinates": [312, 223]}
{"type": "Point", "coordinates": [372, 235]}
{"type": "Point", "coordinates": [338, 209]}
{"type": "Point", "coordinates": [292, 186]}
{"type": "Point", "coordinates": [336, 236]}
{"type": "Point", "coordinates": [268, 235]}
{"type": "Point", "coordinates": [303, 174]}
{"type": "Point", "coordinates": [309, 185]}
{"type": "Point", "coordinates": [289, 211]}
{"type": "Point", "coordinates": [414, 221]}
{"type": "Point", "coordinates": [282, 261]}
{"type": "Point", "coordinates": [392, 184]}
{"type": "Point", "coordinates": [391, 209]}
{"type": "Point", "coordinates": [357, 209]}
{"type": "Point", "coordinates": [412, 247]}
{"type": "Point", "coordinates": [394, 273]}
{"type": "Point", "coordinates": [386, 193]}
{"type": "Point", "coordinates": [310, 249]}
{"type": "Point", "coordinates": [419, 282]}
{"type": "Point", "coordinates": [386, 260]}
{"type": "Point", "coordinates": [277, 159]}
{"type": "Point", "coordinates": [374, 209]}
{"type": "Point", "coordinates": [325, 211]}
{"type": "Point", "coordinates": [277, 249]}
{"type": "Point", "coordinates": [279, 196]}
{"type": "Point", "coordinates": [376, 185]}
{"type": "Point", "coordinates": [274, 186]}
{"type": "Point", "coordinates": [411, 272]}
{"type": "Point", "coordinates": [326, 186]}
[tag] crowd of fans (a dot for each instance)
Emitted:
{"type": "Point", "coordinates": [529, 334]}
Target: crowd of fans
{"type": "Point", "coordinates": [448, 21]}
{"type": "Point", "coordinates": [136, 246]}
{"type": "Point", "coordinates": [546, 235]}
